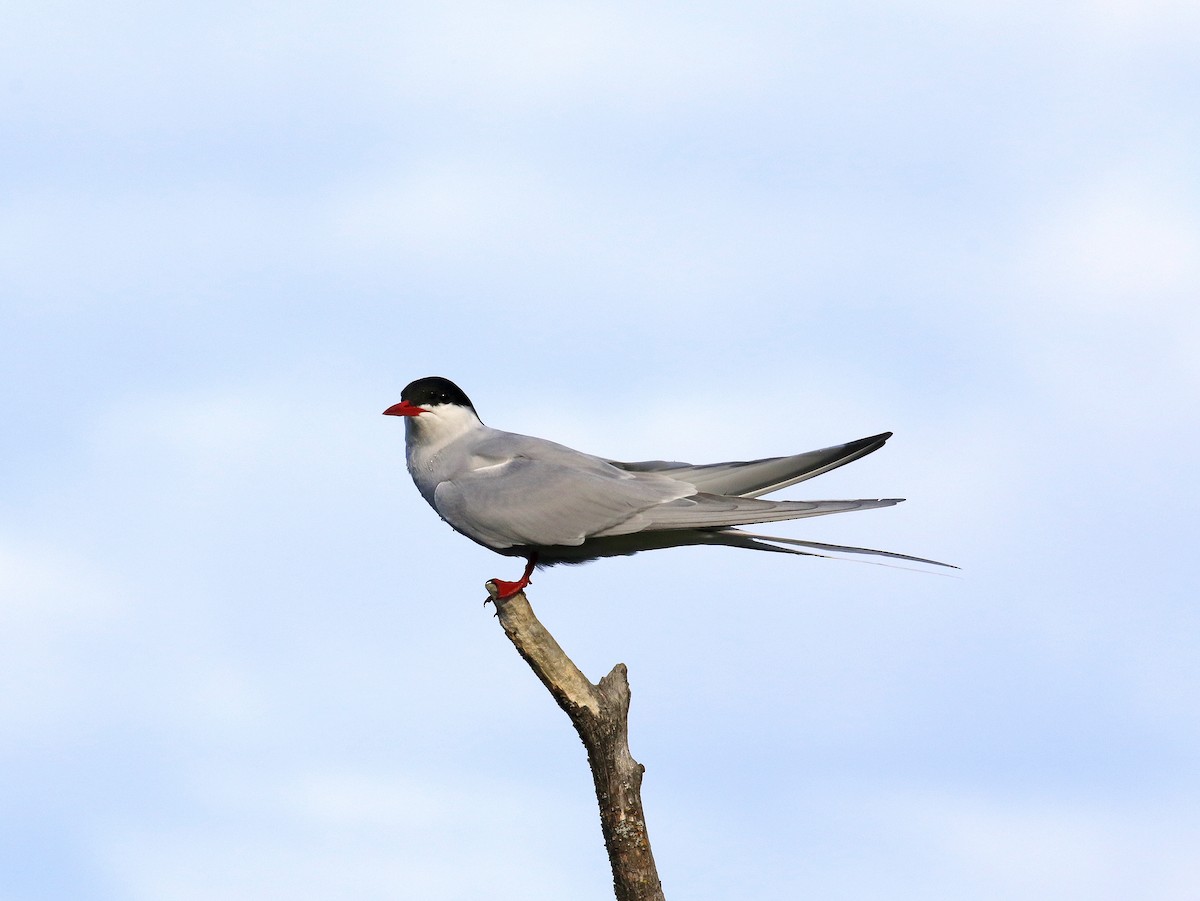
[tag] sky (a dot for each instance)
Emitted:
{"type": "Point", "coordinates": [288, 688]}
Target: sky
{"type": "Point", "coordinates": [242, 659]}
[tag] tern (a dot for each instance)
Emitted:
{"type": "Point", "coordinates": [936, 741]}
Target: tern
{"type": "Point", "coordinates": [529, 497]}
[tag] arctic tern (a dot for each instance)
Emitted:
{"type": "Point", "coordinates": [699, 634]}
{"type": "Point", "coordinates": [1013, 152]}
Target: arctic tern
{"type": "Point", "coordinates": [532, 498]}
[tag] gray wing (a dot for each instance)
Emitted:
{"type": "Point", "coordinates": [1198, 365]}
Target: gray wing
{"type": "Point", "coordinates": [544, 494]}
{"type": "Point", "coordinates": [752, 478]}
{"type": "Point", "coordinates": [716, 511]}
{"type": "Point", "coordinates": [521, 491]}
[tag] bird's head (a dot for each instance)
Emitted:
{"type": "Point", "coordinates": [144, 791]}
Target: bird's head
{"type": "Point", "coordinates": [434, 399]}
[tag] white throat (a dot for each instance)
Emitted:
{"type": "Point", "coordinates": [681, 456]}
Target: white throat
{"type": "Point", "coordinates": [428, 434]}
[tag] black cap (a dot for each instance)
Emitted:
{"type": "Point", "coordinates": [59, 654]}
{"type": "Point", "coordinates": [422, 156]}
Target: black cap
{"type": "Point", "coordinates": [433, 390]}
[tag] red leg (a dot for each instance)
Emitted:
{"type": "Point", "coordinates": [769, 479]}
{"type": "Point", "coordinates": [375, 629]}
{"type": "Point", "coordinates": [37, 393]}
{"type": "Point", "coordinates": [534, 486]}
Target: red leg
{"type": "Point", "coordinates": [506, 590]}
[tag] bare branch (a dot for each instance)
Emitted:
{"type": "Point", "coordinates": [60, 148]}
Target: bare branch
{"type": "Point", "coordinates": [600, 714]}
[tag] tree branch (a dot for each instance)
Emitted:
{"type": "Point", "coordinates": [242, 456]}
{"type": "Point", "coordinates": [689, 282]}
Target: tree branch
{"type": "Point", "coordinates": [600, 714]}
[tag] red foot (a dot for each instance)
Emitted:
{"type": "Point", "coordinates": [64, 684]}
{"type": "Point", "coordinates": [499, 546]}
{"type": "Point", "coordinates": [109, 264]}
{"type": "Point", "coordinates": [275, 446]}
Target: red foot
{"type": "Point", "coordinates": [506, 590]}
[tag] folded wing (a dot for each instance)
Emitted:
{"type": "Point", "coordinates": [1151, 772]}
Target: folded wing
{"type": "Point", "coordinates": [752, 478]}
{"type": "Point", "coordinates": [539, 502]}
{"type": "Point", "coordinates": [523, 492]}
{"type": "Point", "coordinates": [715, 511]}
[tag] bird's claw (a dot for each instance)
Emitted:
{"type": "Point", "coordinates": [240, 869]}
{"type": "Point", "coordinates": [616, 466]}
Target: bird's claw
{"type": "Point", "coordinates": [501, 590]}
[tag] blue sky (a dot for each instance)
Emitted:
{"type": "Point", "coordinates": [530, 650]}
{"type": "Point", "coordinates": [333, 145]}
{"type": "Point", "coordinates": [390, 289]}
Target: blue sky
{"type": "Point", "coordinates": [241, 657]}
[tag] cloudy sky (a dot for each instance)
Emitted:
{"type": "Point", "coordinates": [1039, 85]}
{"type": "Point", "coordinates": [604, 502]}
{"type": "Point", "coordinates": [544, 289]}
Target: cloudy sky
{"type": "Point", "coordinates": [241, 659]}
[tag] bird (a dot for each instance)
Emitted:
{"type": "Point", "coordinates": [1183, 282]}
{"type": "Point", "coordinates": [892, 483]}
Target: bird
{"type": "Point", "coordinates": [528, 497]}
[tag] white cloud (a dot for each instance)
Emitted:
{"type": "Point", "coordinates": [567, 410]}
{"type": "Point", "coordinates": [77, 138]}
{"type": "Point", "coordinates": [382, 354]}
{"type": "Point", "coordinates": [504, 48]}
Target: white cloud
{"type": "Point", "coordinates": [281, 428]}
{"type": "Point", "coordinates": [1128, 241]}
{"type": "Point", "coordinates": [68, 249]}
{"type": "Point", "coordinates": [1131, 22]}
{"type": "Point", "coordinates": [53, 605]}
{"type": "Point", "coordinates": [1105, 282]}
{"type": "Point", "coordinates": [514, 57]}
{"type": "Point", "coordinates": [367, 836]}
{"type": "Point", "coordinates": [1011, 847]}
{"type": "Point", "coordinates": [449, 211]}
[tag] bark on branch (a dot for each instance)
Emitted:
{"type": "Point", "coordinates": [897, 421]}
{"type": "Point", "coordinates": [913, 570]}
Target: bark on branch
{"type": "Point", "coordinates": [600, 714]}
